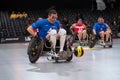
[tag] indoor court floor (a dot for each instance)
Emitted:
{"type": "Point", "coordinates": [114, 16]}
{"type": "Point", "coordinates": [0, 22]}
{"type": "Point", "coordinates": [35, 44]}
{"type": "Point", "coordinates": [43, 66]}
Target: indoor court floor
{"type": "Point", "coordinates": [97, 63]}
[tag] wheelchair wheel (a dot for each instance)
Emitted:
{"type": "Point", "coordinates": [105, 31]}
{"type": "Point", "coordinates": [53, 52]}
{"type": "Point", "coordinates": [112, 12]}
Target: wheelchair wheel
{"type": "Point", "coordinates": [70, 57]}
{"type": "Point", "coordinates": [111, 41]}
{"type": "Point", "coordinates": [68, 48]}
{"type": "Point", "coordinates": [92, 41]}
{"type": "Point", "coordinates": [35, 49]}
{"type": "Point", "coordinates": [71, 39]}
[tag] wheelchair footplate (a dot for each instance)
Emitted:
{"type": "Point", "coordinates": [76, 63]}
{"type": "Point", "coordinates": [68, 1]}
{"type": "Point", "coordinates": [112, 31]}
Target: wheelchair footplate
{"type": "Point", "coordinates": [83, 43]}
{"type": "Point", "coordinates": [60, 56]}
{"type": "Point", "coordinates": [107, 44]}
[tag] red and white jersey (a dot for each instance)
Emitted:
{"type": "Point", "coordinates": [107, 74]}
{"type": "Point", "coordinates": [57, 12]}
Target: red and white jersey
{"type": "Point", "coordinates": [78, 27]}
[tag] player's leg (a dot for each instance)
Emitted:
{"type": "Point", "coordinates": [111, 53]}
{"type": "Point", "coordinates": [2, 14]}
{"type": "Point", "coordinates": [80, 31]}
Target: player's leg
{"type": "Point", "coordinates": [107, 33]}
{"type": "Point", "coordinates": [102, 34]}
{"type": "Point", "coordinates": [84, 35]}
{"type": "Point", "coordinates": [79, 35]}
{"type": "Point", "coordinates": [52, 37]}
{"type": "Point", "coordinates": [62, 33]}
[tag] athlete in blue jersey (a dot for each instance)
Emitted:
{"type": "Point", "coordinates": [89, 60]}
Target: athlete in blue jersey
{"type": "Point", "coordinates": [44, 26]}
{"type": "Point", "coordinates": [49, 29]}
{"type": "Point", "coordinates": [100, 28]}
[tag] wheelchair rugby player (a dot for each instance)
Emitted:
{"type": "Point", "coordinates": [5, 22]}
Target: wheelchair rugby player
{"type": "Point", "coordinates": [51, 38]}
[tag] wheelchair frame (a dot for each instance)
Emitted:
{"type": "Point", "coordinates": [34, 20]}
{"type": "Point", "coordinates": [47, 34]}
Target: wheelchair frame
{"type": "Point", "coordinates": [95, 40]}
{"type": "Point", "coordinates": [37, 47]}
{"type": "Point", "coordinates": [75, 38]}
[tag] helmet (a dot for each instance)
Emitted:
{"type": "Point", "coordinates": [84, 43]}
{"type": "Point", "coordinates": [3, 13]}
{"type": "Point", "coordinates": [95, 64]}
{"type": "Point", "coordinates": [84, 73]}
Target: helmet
{"type": "Point", "coordinates": [78, 51]}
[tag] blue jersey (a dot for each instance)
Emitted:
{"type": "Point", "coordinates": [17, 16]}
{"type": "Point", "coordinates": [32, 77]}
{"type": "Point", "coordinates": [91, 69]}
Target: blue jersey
{"type": "Point", "coordinates": [98, 27]}
{"type": "Point", "coordinates": [44, 25]}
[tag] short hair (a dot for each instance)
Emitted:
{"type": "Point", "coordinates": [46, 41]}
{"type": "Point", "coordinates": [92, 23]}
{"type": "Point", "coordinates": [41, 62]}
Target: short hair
{"type": "Point", "coordinates": [79, 19]}
{"type": "Point", "coordinates": [100, 17]}
{"type": "Point", "coordinates": [52, 11]}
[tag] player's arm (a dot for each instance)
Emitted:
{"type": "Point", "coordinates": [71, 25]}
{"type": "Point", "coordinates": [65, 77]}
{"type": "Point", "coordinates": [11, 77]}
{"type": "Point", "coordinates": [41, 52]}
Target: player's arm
{"type": "Point", "coordinates": [35, 25]}
{"type": "Point", "coordinates": [94, 29]}
{"type": "Point", "coordinates": [108, 28]}
{"type": "Point", "coordinates": [72, 26]}
{"type": "Point", "coordinates": [31, 31]}
{"type": "Point", "coordinates": [94, 32]}
{"type": "Point", "coordinates": [85, 26]}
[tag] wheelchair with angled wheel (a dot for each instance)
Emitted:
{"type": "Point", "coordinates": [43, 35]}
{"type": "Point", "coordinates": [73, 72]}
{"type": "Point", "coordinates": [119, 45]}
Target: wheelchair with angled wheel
{"type": "Point", "coordinates": [93, 40]}
{"type": "Point", "coordinates": [37, 47]}
{"type": "Point", "coordinates": [74, 38]}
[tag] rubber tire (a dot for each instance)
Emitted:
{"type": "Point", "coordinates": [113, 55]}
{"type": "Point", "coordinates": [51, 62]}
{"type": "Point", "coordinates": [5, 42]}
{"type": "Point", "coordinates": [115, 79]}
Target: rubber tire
{"type": "Point", "coordinates": [39, 51]}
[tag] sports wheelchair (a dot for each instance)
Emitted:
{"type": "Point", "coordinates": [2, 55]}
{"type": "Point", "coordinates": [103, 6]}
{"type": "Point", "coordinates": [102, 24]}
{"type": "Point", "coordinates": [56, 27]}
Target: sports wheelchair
{"type": "Point", "coordinates": [74, 38]}
{"type": "Point", "coordinates": [96, 40]}
{"type": "Point", "coordinates": [37, 47]}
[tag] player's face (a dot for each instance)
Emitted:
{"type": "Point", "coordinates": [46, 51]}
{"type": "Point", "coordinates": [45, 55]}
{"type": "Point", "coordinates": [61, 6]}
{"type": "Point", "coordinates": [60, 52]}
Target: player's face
{"type": "Point", "coordinates": [52, 17]}
{"type": "Point", "coordinates": [100, 20]}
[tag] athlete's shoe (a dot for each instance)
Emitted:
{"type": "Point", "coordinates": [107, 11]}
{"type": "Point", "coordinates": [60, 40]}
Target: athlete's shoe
{"type": "Point", "coordinates": [102, 43]}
